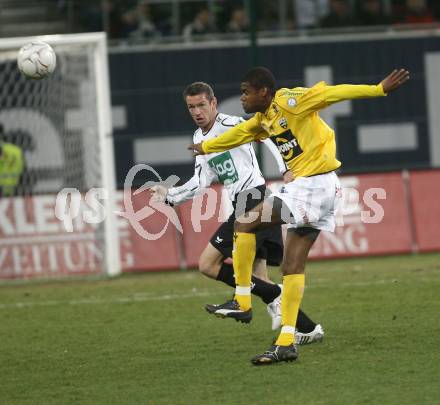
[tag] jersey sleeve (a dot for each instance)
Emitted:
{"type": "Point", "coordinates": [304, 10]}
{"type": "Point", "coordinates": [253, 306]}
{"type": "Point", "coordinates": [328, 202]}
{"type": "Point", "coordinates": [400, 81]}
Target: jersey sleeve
{"type": "Point", "coordinates": [242, 133]}
{"type": "Point", "coordinates": [277, 155]}
{"type": "Point", "coordinates": [202, 178]}
{"type": "Point", "coordinates": [341, 92]}
{"type": "Point", "coordinates": [321, 95]}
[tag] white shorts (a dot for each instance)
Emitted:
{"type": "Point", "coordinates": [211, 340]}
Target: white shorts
{"type": "Point", "coordinates": [312, 201]}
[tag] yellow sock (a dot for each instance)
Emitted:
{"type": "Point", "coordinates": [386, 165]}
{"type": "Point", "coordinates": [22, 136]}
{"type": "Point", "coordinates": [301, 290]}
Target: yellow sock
{"type": "Point", "coordinates": [243, 256]}
{"type": "Point", "coordinates": [293, 289]}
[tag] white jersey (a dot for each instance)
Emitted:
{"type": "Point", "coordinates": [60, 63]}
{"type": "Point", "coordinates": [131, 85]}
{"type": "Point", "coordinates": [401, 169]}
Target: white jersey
{"type": "Point", "coordinates": [237, 169]}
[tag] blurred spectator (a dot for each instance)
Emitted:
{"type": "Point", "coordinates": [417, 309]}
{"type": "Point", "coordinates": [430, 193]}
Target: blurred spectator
{"type": "Point", "coordinates": [113, 9]}
{"type": "Point", "coordinates": [239, 22]}
{"type": "Point", "coordinates": [308, 13]}
{"type": "Point", "coordinates": [436, 10]}
{"type": "Point", "coordinates": [93, 16]}
{"type": "Point", "coordinates": [340, 15]}
{"type": "Point", "coordinates": [434, 6]}
{"type": "Point", "coordinates": [269, 19]}
{"type": "Point", "coordinates": [90, 17]}
{"type": "Point", "coordinates": [11, 166]}
{"type": "Point", "coordinates": [138, 23]}
{"type": "Point", "coordinates": [371, 13]}
{"type": "Point", "coordinates": [201, 25]}
{"type": "Point", "coordinates": [417, 12]}
{"type": "Point", "coordinates": [398, 9]}
{"type": "Point", "coordinates": [163, 19]}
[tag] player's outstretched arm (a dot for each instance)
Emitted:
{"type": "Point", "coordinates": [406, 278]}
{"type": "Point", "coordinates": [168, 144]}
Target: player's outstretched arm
{"type": "Point", "coordinates": [202, 178]}
{"type": "Point", "coordinates": [242, 133]}
{"type": "Point", "coordinates": [394, 80]}
{"type": "Point", "coordinates": [322, 95]}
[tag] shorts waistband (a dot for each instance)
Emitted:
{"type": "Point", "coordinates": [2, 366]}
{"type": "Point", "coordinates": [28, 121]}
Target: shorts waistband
{"type": "Point", "coordinates": [248, 193]}
{"type": "Point", "coordinates": [319, 174]}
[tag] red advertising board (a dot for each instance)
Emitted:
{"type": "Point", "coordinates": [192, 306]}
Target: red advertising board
{"type": "Point", "coordinates": [373, 219]}
{"type": "Point", "coordinates": [379, 215]}
{"type": "Point", "coordinates": [425, 198]}
{"type": "Point", "coordinates": [33, 242]}
{"type": "Point", "coordinates": [140, 250]}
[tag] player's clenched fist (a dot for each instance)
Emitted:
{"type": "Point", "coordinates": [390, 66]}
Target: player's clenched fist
{"type": "Point", "coordinates": [159, 193]}
{"type": "Point", "coordinates": [196, 149]}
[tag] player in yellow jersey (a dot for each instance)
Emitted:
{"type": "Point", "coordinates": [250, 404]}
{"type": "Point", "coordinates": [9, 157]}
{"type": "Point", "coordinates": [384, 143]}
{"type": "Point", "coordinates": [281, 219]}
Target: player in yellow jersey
{"type": "Point", "coordinates": [307, 204]}
{"type": "Point", "coordinates": [11, 166]}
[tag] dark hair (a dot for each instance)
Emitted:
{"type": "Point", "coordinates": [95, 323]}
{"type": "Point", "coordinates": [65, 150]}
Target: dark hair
{"type": "Point", "coordinates": [197, 88]}
{"type": "Point", "coordinates": [259, 77]}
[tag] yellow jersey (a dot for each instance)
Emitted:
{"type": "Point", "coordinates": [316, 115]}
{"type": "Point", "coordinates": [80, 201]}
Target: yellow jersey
{"type": "Point", "coordinates": [11, 167]}
{"type": "Point", "coordinates": [305, 141]}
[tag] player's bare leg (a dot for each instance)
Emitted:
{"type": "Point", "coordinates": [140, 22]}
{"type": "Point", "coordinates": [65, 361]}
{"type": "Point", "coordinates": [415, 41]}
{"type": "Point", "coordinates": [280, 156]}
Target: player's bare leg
{"type": "Point", "coordinates": [212, 264]}
{"type": "Point", "coordinates": [210, 261]}
{"type": "Point", "coordinates": [260, 270]}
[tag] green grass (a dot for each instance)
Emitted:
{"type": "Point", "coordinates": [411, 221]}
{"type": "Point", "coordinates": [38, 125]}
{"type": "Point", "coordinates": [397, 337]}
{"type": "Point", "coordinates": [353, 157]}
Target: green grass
{"type": "Point", "coordinates": [146, 339]}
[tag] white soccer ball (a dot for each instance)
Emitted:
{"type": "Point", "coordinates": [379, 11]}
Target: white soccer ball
{"type": "Point", "coordinates": [36, 60]}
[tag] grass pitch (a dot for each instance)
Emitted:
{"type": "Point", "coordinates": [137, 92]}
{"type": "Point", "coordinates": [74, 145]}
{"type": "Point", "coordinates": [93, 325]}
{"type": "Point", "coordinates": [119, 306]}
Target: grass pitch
{"type": "Point", "coordinates": [146, 339]}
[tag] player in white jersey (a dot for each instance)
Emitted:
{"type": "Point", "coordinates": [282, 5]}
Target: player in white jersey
{"type": "Point", "coordinates": [239, 172]}
{"type": "Point", "coordinates": [237, 169]}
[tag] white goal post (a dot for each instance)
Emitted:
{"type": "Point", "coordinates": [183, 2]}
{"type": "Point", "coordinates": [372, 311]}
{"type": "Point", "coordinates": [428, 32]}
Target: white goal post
{"type": "Point", "coordinates": [62, 126]}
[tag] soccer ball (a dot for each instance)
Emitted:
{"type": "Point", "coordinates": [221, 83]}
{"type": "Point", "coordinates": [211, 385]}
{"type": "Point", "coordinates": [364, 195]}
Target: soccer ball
{"type": "Point", "coordinates": [36, 60]}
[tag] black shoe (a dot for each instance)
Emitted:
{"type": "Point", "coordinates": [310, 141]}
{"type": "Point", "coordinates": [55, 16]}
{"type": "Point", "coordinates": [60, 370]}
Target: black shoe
{"type": "Point", "coordinates": [230, 309]}
{"type": "Point", "coordinates": [276, 354]}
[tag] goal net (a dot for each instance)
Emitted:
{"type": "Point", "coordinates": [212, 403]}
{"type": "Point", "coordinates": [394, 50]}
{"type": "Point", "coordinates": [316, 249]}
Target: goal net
{"type": "Point", "coordinates": [55, 134]}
